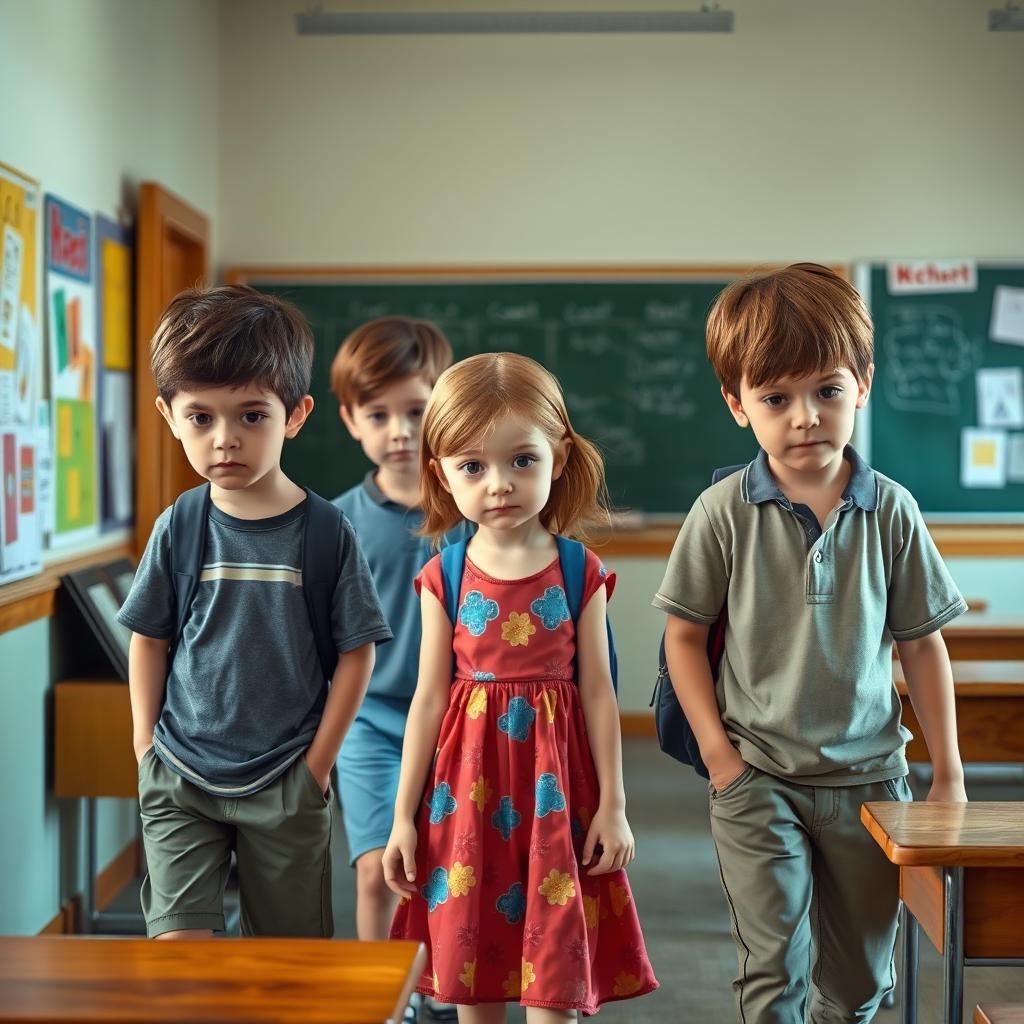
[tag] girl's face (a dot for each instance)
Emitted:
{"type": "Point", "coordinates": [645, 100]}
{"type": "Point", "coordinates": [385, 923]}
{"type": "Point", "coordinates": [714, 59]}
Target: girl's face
{"type": "Point", "coordinates": [505, 480]}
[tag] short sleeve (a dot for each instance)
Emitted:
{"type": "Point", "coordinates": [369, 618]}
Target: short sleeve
{"type": "Point", "coordinates": [696, 581]}
{"type": "Point", "coordinates": [150, 608]}
{"type": "Point", "coordinates": [922, 595]}
{"type": "Point", "coordinates": [595, 575]}
{"type": "Point", "coordinates": [356, 615]}
{"type": "Point", "coordinates": [429, 577]}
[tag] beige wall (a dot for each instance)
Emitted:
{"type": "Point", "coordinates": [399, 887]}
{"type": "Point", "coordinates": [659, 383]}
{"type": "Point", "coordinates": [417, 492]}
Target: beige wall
{"type": "Point", "coordinates": [95, 96]}
{"type": "Point", "coordinates": [821, 129]}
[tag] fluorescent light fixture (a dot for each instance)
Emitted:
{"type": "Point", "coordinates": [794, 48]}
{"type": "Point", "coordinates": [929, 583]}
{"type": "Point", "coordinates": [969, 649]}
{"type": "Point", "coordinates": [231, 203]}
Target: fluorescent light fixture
{"type": "Point", "coordinates": [1009, 19]}
{"type": "Point", "coordinates": [320, 22]}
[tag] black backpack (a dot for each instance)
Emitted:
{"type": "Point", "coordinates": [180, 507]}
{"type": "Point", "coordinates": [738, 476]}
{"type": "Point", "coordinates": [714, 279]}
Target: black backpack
{"type": "Point", "coordinates": [675, 737]}
{"type": "Point", "coordinates": [321, 553]}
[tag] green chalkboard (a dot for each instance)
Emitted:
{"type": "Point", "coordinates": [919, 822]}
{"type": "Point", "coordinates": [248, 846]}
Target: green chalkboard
{"type": "Point", "coordinates": [929, 347]}
{"type": "Point", "coordinates": [628, 352]}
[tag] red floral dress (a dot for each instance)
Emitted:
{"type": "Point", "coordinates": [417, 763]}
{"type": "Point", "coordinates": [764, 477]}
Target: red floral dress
{"type": "Point", "coordinates": [504, 907]}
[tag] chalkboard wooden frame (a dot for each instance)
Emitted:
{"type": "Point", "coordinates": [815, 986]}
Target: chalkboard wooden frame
{"type": "Point", "coordinates": [647, 540]}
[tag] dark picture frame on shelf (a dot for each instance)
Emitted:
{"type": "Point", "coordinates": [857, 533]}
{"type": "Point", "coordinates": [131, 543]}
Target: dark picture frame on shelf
{"type": "Point", "coordinates": [99, 592]}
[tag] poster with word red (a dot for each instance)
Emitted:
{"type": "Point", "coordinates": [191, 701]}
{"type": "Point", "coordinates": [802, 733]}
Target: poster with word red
{"type": "Point", "coordinates": [71, 326]}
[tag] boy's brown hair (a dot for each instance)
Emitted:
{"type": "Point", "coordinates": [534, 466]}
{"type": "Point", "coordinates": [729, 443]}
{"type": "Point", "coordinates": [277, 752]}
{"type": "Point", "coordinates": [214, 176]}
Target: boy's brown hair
{"type": "Point", "coordinates": [788, 323]}
{"type": "Point", "coordinates": [386, 350]}
{"type": "Point", "coordinates": [230, 337]}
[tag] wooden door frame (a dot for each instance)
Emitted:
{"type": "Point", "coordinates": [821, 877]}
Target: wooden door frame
{"type": "Point", "coordinates": [162, 215]}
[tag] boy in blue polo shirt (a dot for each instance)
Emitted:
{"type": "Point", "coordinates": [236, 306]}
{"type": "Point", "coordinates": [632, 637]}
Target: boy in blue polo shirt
{"type": "Point", "coordinates": [382, 376]}
{"type": "Point", "coordinates": [821, 563]}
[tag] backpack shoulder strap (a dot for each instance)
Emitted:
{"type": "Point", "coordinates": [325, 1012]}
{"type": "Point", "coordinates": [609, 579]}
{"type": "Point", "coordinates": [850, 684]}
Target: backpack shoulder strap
{"type": "Point", "coordinates": [453, 563]}
{"type": "Point", "coordinates": [573, 556]}
{"type": "Point", "coordinates": [321, 552]}
{"type": "Point", "coordinates": [188, 544]}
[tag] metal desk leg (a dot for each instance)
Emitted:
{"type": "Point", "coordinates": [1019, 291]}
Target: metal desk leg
{"type": "Point", "coordinates": [94, 920]}
{"type": "Point", "coordinates": [953, 946]}
{"type": "Point", "coordinates": [909, 940]}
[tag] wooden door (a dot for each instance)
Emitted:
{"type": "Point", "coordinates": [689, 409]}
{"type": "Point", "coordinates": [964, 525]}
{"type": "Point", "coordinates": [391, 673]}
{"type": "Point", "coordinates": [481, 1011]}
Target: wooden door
{"type": "Point", "coordinates": [172, 254]}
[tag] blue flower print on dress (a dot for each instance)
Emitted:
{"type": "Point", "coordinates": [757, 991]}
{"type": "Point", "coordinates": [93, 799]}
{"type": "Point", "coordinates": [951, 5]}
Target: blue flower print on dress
{"type": "Point", "coordinates": [436, 889]}
{"type": "Point", "coordinates": [512, 903]}
{"type": "Point", "coordinates": [517, 720]}
{"type": "Point", "coordinates": [549, 796]}
{"type": "Point", "coordinates": [477, 611]}
{"type": "Point", "coordinates": [442, 803]}
{"type": "Point", "coordinates": [602, 571]}
{"type": "Point", "coordinates": [552, 609]}
{"type": "Point", "coordinates": [506, 818]}
{"type": "Point", "coordinates": [484, 677]}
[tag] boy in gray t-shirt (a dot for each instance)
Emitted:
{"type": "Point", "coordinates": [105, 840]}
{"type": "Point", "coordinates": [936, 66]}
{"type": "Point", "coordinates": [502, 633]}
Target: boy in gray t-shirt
{"type": "Point", "coordinates": [235, 725]}
{"type": "Point", "coordinates": [821, 564]}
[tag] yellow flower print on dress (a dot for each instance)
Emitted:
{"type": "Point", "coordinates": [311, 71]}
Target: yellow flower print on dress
{"type": "Point", "coordinates": [550, 700]}
{"type": "Point", "coordinates": [517, 629]}
{"type": "Point", "coordinates": [468, 975]}
{"type": "Point", "coordinates": [480, 792]}
{"type": "Point", "coordinates": [626, 984]}
{"type": "Point", "coordinates": [513, 985]}
{"type": "Point", "coordinates": [558, 888]}
{"type": "Point", "coordinates": [619, 895]}
{"type": "Point", "coordinates": [460, 879]}
{"type": "Point", "coordinates": [591, 910]}
{"type": "Point", "coordinates": [477, 703]}
{"type": "Point", "coordinates": [527, 975]}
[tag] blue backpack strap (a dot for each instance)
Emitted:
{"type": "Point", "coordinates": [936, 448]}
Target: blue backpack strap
{"type": "Point", "coordinates": [573, 557]}
{"type": "Point", "coordinates": [453, 564]}
{"type": "Point", "coordinates": [321, 556]}
{"type": "Point", "coordinates": [188, 544]}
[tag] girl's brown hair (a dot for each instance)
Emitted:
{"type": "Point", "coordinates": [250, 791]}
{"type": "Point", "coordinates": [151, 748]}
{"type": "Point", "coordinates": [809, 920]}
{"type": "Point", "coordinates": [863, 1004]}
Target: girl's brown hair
{"type": "Point", "coordinates": [468, 400]}
{"type": "Point", "coordinates": [793, 322]}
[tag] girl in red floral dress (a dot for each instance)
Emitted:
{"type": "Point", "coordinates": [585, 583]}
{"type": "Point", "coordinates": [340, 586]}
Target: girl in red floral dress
{"type": "Point", "coordinates": [510, 836]}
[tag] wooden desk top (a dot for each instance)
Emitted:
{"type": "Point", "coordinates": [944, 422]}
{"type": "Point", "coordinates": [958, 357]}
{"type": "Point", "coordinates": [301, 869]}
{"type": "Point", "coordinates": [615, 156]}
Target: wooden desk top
{"type": "Point", "coordinates": [965, 835]}
{"type": "Point", "coordinates": [978, 678]}
{"type": "Point", "coordinates": [58, 978]}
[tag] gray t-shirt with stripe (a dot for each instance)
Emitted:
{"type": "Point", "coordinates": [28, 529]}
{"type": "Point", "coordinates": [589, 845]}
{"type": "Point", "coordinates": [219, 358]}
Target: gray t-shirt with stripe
{"type": "Point", "coordinates": [245, 691]}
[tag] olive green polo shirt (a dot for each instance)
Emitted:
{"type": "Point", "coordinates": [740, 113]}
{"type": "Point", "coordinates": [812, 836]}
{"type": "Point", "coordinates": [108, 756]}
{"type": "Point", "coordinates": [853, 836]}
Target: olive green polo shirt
{"type": "Point", "coordinates": [805, 686]}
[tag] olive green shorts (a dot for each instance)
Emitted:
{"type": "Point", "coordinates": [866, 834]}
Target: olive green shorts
{"type": "Point", "coordinates": [281, 838]}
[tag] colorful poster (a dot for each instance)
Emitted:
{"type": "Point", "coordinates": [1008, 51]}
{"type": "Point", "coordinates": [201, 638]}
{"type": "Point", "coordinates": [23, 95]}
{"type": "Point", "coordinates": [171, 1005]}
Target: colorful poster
{"type": "Point", "coordinates": [72, 325]}
{"type": "Point", "coordinates": [19, 297]}
{"type": "Point", "coordinates": [20, 539]}
{"type": "Point", "coordinates": [114, 336]}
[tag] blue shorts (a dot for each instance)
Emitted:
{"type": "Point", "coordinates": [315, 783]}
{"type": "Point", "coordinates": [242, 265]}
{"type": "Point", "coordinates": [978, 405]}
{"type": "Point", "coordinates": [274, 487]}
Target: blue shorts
{"type": "Point", "coordinates": [368, 767]}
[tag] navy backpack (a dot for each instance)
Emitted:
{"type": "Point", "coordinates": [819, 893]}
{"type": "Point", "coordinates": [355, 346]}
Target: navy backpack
{"type": "Point", "coordinates": [572, 556]}
{"type": "Point", "coordinates": [675, 737]}
{"type": "Point", "coordinates": [321, 552]}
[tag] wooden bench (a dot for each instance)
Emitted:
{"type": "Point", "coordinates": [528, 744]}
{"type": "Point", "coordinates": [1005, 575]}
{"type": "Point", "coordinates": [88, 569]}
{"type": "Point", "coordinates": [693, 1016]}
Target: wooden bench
{"type": "Point", "coordinates": [999, 1013]}
{"type": "Point", "coordinates": [57, 978]}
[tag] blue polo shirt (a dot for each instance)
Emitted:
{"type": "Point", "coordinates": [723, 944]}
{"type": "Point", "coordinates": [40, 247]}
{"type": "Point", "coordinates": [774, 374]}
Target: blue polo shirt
{"type": "Point", "coordinates": [395, 553]}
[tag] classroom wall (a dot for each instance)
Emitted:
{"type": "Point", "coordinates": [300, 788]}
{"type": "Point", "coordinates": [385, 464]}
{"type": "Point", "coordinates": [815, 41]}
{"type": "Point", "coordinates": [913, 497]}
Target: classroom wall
{"type": "Point", "coordinates": [97, 96]}
{"type": "Point", "coordinates": [820, 129]}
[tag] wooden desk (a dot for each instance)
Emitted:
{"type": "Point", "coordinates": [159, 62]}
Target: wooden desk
{"type": "Point", "coordinates": [989, 711]}
{"type": "Point", "coordinates": [962, 880]}
{"type": "Point", "coordinates": [93, 757]}
{"type": "Point", "coordinates": [56, 978]}
{"type": "Point", "coordinates": [981, 636]}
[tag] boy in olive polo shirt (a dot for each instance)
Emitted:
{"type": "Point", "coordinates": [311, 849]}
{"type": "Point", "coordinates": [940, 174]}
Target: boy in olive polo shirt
{"type": "Point", "coordinates": [822, 563]}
